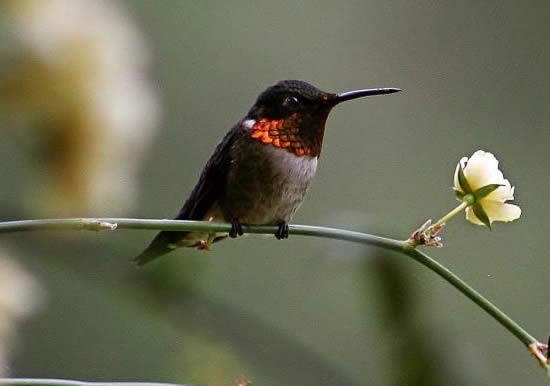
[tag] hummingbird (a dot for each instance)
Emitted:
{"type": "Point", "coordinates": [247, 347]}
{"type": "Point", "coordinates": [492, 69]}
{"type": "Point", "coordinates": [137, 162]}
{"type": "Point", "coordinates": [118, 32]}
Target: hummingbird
{"type": "Point", "coordinates": [261, 170]}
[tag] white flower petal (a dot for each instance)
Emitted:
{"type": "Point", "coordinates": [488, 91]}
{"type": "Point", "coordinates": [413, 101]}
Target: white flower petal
{"type": "Point", "coordinates": [504, 193]}
{"type": "Point", "coordinates": [482, 169]}
{"type": "Point", "coordinates": [501, 212]}
{"type": "Point", "coordinates": [496, 211]}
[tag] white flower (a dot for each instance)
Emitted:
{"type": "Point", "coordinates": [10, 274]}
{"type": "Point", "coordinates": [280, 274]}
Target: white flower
{"type": "Point", "coordinates": [77, 69]}
{"type": "Point", "coordinates": [480, 170]}
{"type": "Point", "coordinates": [21, 296]}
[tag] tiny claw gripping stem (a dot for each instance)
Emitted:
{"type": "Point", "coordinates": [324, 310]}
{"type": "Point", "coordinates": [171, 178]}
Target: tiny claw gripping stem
{"type": "Point", "coordinates": [236, 229]}
{"type": "Point", "coordinates": [206, 245]}
{"type": "Point", "coordinates": [203, 245]}
{"type": "Point", "coordinates": [282, 231]}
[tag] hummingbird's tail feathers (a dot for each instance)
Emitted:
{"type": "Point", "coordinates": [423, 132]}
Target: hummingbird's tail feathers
{"type": "Point", "coordinates": [162, 244]}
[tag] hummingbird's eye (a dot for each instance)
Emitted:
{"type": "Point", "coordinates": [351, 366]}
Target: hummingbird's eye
{"type": "Point", "coordinates": [291, 101]}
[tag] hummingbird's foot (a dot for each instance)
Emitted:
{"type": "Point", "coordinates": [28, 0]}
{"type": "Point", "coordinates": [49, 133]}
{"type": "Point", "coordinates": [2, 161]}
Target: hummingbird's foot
{"type": "Point", "coordinates": [206, 245]}
{"type": "Point", "coordinates": [203, 245]}
{"type": "Point", "coordinates": [282, 231]}
{"type": "Point", "coordinates": [236, 229]}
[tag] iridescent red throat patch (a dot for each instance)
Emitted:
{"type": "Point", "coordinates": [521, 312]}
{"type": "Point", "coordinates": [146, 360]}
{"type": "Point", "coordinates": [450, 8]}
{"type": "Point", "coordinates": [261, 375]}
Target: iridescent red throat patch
{"type": "Point", "coordinates": [281, 133]}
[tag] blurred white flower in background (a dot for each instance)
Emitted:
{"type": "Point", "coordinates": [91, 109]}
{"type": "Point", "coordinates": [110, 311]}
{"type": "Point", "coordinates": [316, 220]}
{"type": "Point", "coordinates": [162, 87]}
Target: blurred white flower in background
{"type": "Point", "coordinates": [74, 80]}
{"type": "Point", "coordinates": [481, 170]}
{"type": "Point", "coordinates": [20, 297]}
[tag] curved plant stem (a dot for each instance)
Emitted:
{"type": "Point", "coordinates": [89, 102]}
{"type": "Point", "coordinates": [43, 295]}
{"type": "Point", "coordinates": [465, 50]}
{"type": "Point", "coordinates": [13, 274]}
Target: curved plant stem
{"type": "Point", "coordinates": [70, 382]}
{"type": "Point", "coordinates": [473, 295]}
{"type": "Point", "coordinates": [405, 247]}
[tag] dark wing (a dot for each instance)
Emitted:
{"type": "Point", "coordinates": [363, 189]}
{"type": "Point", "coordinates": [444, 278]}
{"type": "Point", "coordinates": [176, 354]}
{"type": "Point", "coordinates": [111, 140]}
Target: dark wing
{"type": "Point", "coordinates": [212, 181]}
{"type": "Point", "coordinates": [207, 191]}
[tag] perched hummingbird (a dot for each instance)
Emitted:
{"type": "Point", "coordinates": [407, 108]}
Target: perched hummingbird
{"type": "Point", "coordinates": [262, 168]}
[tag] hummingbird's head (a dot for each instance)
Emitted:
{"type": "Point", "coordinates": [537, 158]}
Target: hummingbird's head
{"type": "Point", "coordinates": [292, 114]}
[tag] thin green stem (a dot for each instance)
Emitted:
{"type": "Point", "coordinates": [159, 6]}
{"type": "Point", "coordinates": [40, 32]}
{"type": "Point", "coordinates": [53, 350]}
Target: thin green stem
{"type": "Point", "coordinates": [472, 294]}
{"type": "Point", "coordinates": [405, 247]}
{"type": "Point", "coordinates": [99, 224]}
{"type": "Point", "coordinates": [70, 382]}
{"type": "Point", "coordinates": [450, 215]}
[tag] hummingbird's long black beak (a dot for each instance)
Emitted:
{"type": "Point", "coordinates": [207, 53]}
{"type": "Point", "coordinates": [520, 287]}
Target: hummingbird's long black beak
{"type": "Point", "coordinates": [346, 96]}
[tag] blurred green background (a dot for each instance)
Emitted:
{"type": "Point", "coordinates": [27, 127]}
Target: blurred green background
{"type": "Point", "coordinates": [310, 311]}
